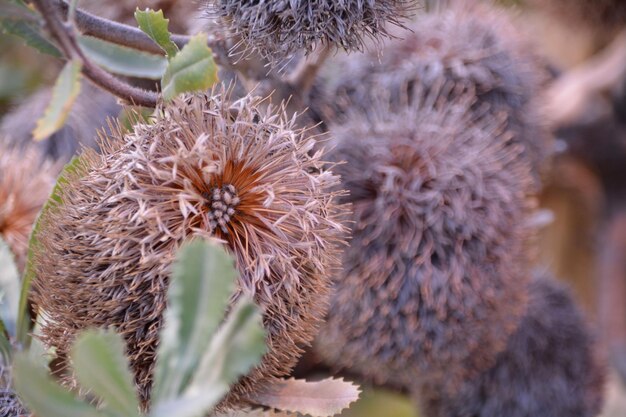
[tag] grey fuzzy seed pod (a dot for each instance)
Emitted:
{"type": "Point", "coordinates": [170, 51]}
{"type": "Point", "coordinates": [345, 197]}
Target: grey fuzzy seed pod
{"type": "Point", "coordinates": [438, 245]}
{"type": "Point", "coordinates": [279, 28]}
{"type": "Point", "coordinates": [549, 368]}
{"type": "Point", "coordinates": [469, 44]}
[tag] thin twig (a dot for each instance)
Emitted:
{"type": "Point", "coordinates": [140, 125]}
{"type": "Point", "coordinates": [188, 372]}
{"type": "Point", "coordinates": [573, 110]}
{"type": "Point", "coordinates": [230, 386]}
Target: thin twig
{"type": "Point", "coordinates": [304, 76]}
{"type": "Point", "coordinates": [67, 43]}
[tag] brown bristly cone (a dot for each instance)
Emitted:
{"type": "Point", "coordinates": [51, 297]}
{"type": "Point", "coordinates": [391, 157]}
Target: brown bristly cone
{"type": "Point", "coordinates": [26, 180]}
{"type": "Point", "coordinates": [434, 279]}
{"type": "Point", "coordinates": [209, 167]}
{"type": "Point", "coordinates": [468, 43]}
{"type": "Point", "coordinates": [277, 29]}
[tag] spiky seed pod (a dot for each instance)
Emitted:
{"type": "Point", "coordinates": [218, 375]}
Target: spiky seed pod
{"type": "Point", "coordinates": [10, 404]}
{"type": "Point", "coordinates": [549, 368]}
{"type": "Point", "coordinates": [468, 43]}
{"type": "Point", "coordinates": [26, 181]}
{"type": "Point", "coordinates": [205, 167]}
{"type": "Point", "coordinates": [279, 28]}
{"type": "Point", "coordinates": [433, 281]}
{"type": "Point", "coordinates": [89, 114]}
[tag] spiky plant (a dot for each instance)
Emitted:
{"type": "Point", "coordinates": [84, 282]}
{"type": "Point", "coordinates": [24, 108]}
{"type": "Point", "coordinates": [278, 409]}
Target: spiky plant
{"type": "Point", "coordinates": [278, 28]}
{"type": "Point", "coordinates": [468, 43]}
{"type": "Point", "coordinates": [433, 282]}
{"type": "Point", "coordinates": [10, 404]}
{"type": "Point", "coordinates": [26, 180]}
{"type": "Point", "coordinates": [204, 166]}
{"type": "Point", "coordinates": [549, 368]}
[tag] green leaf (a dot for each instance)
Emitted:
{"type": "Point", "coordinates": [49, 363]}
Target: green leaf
{"type": "Point", "coordinates": [122, 60]}
{"type": "Point", "coordinates": [237, 347]}
{"type": "Point", "coordinates": [101, 367]}
{"type": "Point", "coordinates": [64, 93]}
{"type": "Point", "coordinates": [192, 69]}
{"type": "Point", "coordinates": [43, 396]}
{"type": "Point", "coordinates": [17, 10]}
{"type": "Point", "coordinates": [6, 350]}
{"type": "Point", "coordinates": [203, 279]}
{"type": "Point", "coordinates": [9, 288]}
{"type": "Point", "coordinates": [23, 314]}
{"type": "Point", "coordinates": [31, 33]}
{"type": "Point", "coordinates": [154, 24]}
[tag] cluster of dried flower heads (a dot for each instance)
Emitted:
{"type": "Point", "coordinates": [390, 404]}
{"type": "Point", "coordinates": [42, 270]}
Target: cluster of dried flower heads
{"type": "Point", "coordinates": [279, 28]}
{"type": "Point", "coordinates": [443, 149]}
{"type": "Point", "coordinates": [205, 166]}
{"type": "Point", "coordinates": [25, 184]}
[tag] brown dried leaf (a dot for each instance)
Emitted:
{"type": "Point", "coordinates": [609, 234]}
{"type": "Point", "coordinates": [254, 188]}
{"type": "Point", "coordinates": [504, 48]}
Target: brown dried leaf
{"type": "Point", "coordinates": [319, 399]}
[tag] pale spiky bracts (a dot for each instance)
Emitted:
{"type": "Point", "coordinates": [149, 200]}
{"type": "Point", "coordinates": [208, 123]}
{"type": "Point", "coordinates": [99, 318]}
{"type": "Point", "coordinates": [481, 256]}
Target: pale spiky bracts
{"type": "Point", "coordinates": [470, 44]}
{"type": "Point", "coordinates": [278, 28]}
{"type": "Point", "coordinates": [549, 367]}
{"type": "Point", "coordinates": [204, 167]}
{"type": "Point", "coordinates": [26, 181]}
{"type": "Point", "coordinates": [434, 279]}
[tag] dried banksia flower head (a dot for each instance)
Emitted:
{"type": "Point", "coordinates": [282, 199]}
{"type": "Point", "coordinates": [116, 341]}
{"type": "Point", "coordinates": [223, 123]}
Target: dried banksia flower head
{"type": "Point", "coordinates": [550, 366]}
{"type": "Point", "coordinates": [279, 28]}
{"type": "Point", "coordinates": [204, 167]}
{"type": "Point", "coordinates": [468, 43]}
{"type": "Point", "coordinates": [10, 404]}
{"type": "Point", "coordinates": [26, 181]}
{"type": "Point", "coordinates": [434, 279]}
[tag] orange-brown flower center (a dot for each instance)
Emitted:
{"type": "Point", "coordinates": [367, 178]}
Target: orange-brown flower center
{"type": "Point", "coordinates": [222, 203]}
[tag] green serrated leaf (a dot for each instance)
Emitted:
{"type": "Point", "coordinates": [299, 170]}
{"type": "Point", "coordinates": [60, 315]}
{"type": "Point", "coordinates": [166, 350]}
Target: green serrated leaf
{"type": "Point", "coordinates": [203, 278]}
{"type": "Point", "coordinates": [237, 347]}
{"type": "Point", "coordinates": [192, 69]}
{"type": "Point", "coordinates": [9, 288]}
{"type": "Point", "coordinates": [43, 396]}
{"type": "Point", "coordinates": [122, 60]}
{"type": "Point", "coordinates": [31, 34]}
{"type": "Point", "coordinates": [154, 24]}
{"type": "Point", "coordinates": [101, 367]}
{"type": "Point", "coordinates": [23, 315]}
{"type": "Point", "coordinates": [64, 93]}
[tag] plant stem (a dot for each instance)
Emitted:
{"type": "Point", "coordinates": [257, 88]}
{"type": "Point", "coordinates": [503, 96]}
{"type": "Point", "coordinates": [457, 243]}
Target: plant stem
{"type": "Point", "coordinates": [63, 35]}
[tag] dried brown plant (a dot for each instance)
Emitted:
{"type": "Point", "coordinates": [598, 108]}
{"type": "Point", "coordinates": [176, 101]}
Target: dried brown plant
{"type": "Point", "coordinates": [434, 279]}
{"type": "Point", "coordinates": [205, 166]}
{"type": "Point", "coordinates": [26, 180]}
{"type": "Point", "coordinates": [278, 28]}
{"type": "Point", "coordinates": [468, 43]}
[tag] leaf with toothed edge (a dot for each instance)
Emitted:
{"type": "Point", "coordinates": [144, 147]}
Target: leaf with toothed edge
{"type": "Point", "coordinates": [324, 398]}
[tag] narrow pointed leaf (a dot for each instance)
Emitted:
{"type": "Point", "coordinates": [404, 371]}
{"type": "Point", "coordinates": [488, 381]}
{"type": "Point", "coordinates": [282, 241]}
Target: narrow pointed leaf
{"type": "Point", "coordinates": [320, 399]}
{"type": "Point", "coordinates": [6, 350]}
{"type": "Point", "coordinates": [43, 396]}
{"type": "Point", "coordinates": [192, 69]}
{"type": "Point", "coordinates": [30, 32]}
{"type": "Point", "coordinates": [9, 288]}
{"type": "Point", "coordinates": [237, 347]}
{"type": "Point", "coordinates": [23, 314]}
{"type": "Point", "coordinates": [101, 367]}
{"type": "Point", "coordinates": [64, 94]}
{"type": "Point", "coordinates": [154, 24]}
{"type": "Point", "coordinates": [203, 278]}
{"type": "Point", "coordinates": [122, 60]}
